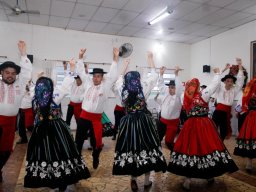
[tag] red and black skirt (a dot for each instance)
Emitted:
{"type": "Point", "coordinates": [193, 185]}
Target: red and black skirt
{"type": "Point", "coordinates": [246, 140]}
{"type": "Point", "coordinates": [199, 151]}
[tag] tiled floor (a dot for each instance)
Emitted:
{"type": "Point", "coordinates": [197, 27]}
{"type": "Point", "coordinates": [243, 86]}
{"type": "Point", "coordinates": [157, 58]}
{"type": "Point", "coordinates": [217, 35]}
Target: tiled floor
{"type": "Point", "coordinates": [102, 179]}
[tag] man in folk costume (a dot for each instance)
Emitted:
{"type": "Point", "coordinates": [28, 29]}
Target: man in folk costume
{"type": "Point", "coordinates": [26, 116]}
{"type": "Point", "coordinates": [12, 91]}
{"type": "Point", "coordinates": [225, 95]}
{"type": "Point", "coordinates": [96, 93]}
{"type": "Point", "coordinates": [75, 105]}
{"type": "Point", "coordinates": [169, 100]}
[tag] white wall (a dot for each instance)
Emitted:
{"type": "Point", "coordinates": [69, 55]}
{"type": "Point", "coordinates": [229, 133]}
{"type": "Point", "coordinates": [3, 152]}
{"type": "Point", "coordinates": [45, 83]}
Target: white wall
{"type": "Point", "coordinates": [221, 49]}
{"type": "Point", "coordinates": [54, 43]}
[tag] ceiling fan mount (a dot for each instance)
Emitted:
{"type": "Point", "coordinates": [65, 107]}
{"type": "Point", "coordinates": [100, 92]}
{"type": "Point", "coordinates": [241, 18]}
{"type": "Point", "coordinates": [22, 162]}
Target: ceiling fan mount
{"type": "Point", "coordinates": [16, 10]}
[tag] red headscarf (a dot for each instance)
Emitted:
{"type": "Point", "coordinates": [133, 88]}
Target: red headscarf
{"type": "Point", "coordinates": [191, 89]}
{"type": "Point", "coordinates": [249, 91]}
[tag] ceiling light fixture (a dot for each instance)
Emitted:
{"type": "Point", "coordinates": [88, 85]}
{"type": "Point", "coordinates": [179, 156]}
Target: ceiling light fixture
{"type": "Point", "coordinates": [160, 16]}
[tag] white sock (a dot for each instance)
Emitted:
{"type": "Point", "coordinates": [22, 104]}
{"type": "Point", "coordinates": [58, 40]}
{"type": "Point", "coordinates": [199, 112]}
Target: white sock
{"type": "Point", "coordinates": [249, 164]}
{"type": "Point", "coordinates": [146, 181]}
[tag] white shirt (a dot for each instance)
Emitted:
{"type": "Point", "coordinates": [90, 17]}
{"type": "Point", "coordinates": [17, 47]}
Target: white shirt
{"type": "Point", "coordinates": [26, 101]}
{"type": "Point", "coordinates": [77, 93]}
{"type": "Point", "coordinates": [227, 97]}
{"type": "Point", "coordinates": [211, 88]}
{"type": "Point", "coordinates": [60, 92]}
{"type": "Point", "coordinates": [170, 104]}
{"type": "Point", "coordinates": [95, 96]}
{"type": "Point", "coordinates": [8, 108]}
{"type": "Point", "coordinates": [117, 89]}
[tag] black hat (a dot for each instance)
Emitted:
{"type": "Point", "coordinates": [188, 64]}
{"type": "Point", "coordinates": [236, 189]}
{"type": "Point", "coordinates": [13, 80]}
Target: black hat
{"type": "Point", "coordinates": [229, 77]}
{"type": "Point", "coordinates": [97, 70]}
{"type": "Point", "coordinates": [77, 77]}
{"type": "Point", "coordinates": [11, 65]}
{"type": "Point", "coordinates": [203, 86]}
{"type": "Point", "coordinates": [171, 83]}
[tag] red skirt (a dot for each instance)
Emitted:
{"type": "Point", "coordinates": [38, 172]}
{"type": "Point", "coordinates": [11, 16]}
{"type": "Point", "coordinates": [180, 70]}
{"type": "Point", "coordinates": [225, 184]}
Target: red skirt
{"type": "Point", "coordinates": [7, 129]}
{"type": "Point", "coordinates": [29, 117]}
{"type": "Point", "coordinates": [246, 140]}
{"type": "Point", "coordinates": [199, 151]}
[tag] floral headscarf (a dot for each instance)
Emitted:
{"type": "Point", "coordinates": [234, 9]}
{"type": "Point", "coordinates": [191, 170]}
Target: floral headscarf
{"type": "Point", "coordinates": [249, 91]}
{"type": "Point", "coordinates": [191, 89]}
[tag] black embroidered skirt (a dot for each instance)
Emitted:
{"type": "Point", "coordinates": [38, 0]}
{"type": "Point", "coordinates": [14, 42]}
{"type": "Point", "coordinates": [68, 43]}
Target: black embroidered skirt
{"type": "Point", "coordinates": [138, 149]}
{"type": "Point", "coordinates": [52, 158]}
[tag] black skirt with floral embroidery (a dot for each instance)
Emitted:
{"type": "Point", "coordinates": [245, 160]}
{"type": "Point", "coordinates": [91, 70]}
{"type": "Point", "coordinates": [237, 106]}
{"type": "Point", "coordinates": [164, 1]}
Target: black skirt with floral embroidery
{"type": "Point", "coordinates": [52, 158]}
{"type": "Point", "coordinates": [138, 149]}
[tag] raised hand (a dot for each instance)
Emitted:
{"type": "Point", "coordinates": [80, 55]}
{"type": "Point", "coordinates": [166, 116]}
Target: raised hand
{"type": "Point", "coordinates": [81, 53]}
{"type": "Point", "coordinates": [65, 65]}
{"type": "Point", "coordinates": [22, 48]}
{"type": "Point", "coordinates": [239, 63]}
{"type": "Point", "coordinates": [72, 64]}
{"type": "Point", "coordinates": [115, 54]}
{"type": "Point", "coordinates": [150, 55]}
{"type": "Point", "coordinates": [176, 71]}
{"type": "Point", "coordinates": [216, 70]}
{"type": "Point", "coordinates": [162, 70]}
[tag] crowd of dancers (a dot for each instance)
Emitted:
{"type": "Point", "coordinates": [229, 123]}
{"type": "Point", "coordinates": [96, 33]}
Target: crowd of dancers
{"type": "Point", "coordinates": [54, 156]}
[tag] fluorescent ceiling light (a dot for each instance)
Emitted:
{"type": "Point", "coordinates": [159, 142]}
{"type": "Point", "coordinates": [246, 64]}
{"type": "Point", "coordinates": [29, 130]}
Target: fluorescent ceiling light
{"type": "Point", "coordinates": [163, 14]}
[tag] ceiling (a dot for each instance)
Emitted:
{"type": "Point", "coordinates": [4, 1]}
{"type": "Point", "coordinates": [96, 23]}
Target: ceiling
{"type": "Point", "coordinates": [190, 22]}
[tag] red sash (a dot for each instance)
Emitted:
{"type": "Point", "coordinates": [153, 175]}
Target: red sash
{"type": "Point", "coordinates": [119, 108]}
{"type": "Point", "coordinates": [95, 118]}
{"type": "Point", "coordinates": [227, 109]}
{"type": "Point", "coordinates": [29, 117]}
{"type": "Point", "coordinates": [171, 129]}
{"type": "Point", "coordinates": [77, 109]}
{"type": "Point", "coordinates": [8, 125]}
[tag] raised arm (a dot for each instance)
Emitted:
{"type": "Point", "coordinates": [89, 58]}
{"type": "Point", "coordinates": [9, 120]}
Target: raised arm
{"type": "Point", "coordinates": [240, 76]}
{"type": "Point", "coordinates": [25, 64]}
{"type": "Point", "coordinates": [208, 92]}
{"type": "Point", "coordinates": [112, 76]}
{"type": "Point", "coordinates": [81, 70]}
{"type": "Point", "coordinates": [149, 82]}
{"type": "Point", "coordinates": [65, 87]}
{"type": "Point", "coordinates": [178, 83]}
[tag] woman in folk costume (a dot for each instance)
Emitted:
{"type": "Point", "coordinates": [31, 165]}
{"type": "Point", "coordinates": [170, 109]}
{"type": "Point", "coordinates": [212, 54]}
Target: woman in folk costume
{"type": "Point", "coordinates": [52, 158]}
{"type": "Point", "coordinates": [246, 140]}
{"type": "Point", "coordinates": [138, 148]}
{"type": "Point", "coordinates": [199, 151]}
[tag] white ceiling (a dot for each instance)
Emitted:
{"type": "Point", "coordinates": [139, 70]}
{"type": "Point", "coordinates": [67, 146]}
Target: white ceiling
{"type": "Point", "coordinates": [190, 22]}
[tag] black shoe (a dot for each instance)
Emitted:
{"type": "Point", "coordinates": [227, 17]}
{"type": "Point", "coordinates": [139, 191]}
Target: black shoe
{"type": "Point", "coordinates": [62, 188]}
{"type": "Point", "coordinates": [114, 137]}
{"type": "Point", "coordinates": [210, 181]}
{"type": "Point", "coordinates": [134, 185]}
{"type": "Point", "coordinates": [248, 171]}
{"type": "Point", "coordinates": [96, 155]}
{"type": "Point", "coordinates": [148, 185]}
{"type": "Point", "coordinates": [22, 141]}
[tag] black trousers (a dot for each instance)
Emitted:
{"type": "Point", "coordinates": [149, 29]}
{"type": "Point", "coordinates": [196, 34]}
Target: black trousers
{"type": "Point", "coordinates": [118, 116]}
{"type": "Point", "coordinates": [220, 120]}
{"type": "Point", "coordinates": [84, 130]}
{"type": "Point", "coordinates": [22, 126]}
{"type": "Point", "coordinates": [70, 114]}
{"type": "Point", "coordinates": [4, 155]}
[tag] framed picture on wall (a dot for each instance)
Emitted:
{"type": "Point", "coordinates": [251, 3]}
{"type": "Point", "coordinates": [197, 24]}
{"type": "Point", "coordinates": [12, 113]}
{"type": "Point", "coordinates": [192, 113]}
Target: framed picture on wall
{"type": "Point", "coordinates": [253, 59]}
